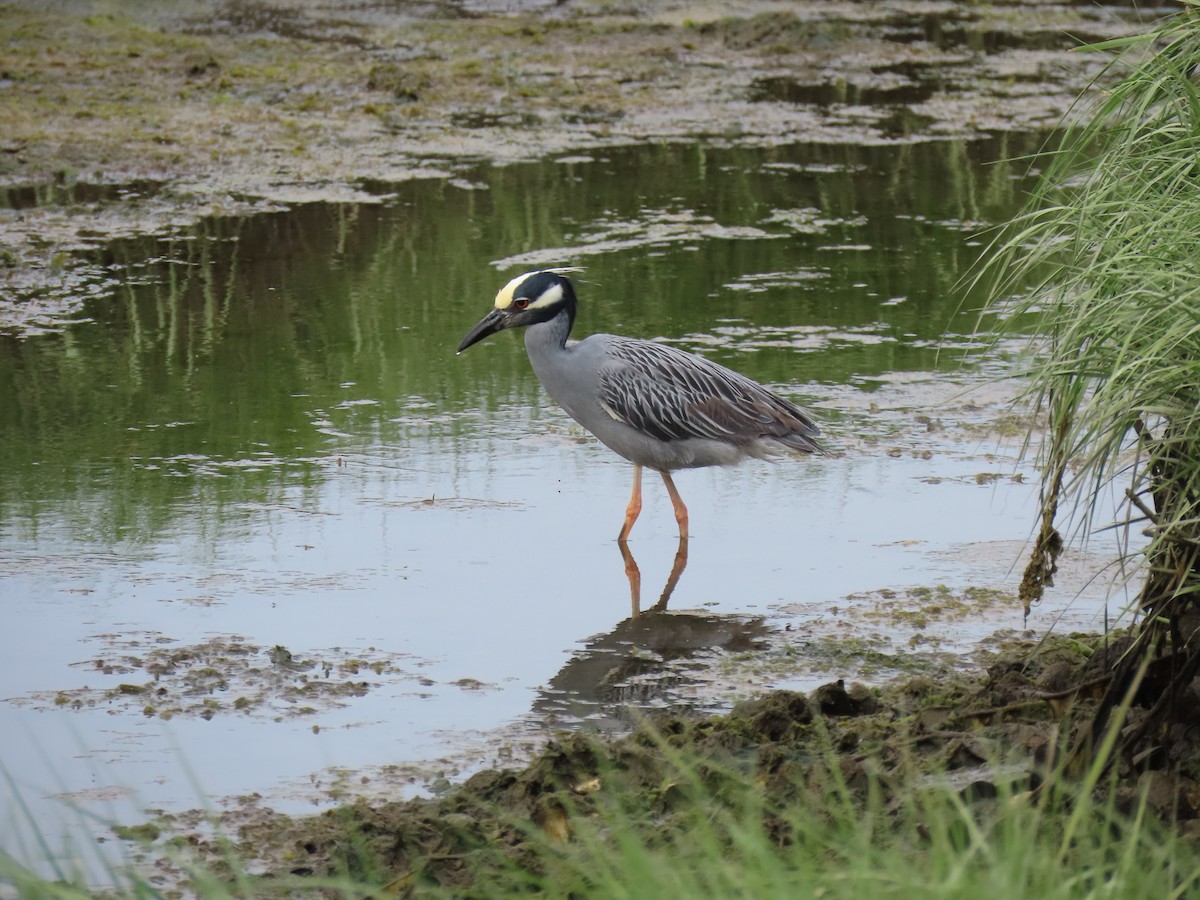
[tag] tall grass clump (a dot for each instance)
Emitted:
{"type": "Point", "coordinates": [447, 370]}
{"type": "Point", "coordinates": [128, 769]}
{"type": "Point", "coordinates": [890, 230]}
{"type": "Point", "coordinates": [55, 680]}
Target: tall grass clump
{"type": "Point", "coordinates": [1108, 257]}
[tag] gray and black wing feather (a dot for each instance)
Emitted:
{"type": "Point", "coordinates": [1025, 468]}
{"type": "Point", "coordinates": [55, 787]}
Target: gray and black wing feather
{"type": "Point", "coordinates": [672, 395]}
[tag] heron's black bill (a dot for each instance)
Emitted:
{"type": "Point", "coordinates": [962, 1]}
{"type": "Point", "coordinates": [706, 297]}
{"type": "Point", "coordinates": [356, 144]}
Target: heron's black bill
{"type": "Point", "coordinates": [491, 323]}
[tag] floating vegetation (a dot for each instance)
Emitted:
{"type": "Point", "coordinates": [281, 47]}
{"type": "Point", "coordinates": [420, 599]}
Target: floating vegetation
{"type": "Point", "coordinates": [224, 675]}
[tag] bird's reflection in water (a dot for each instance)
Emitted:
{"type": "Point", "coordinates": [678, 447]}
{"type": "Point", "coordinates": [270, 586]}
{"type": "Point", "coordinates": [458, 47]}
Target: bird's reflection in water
{"type": "Point", "coordinates": [645, 661]}
{"type": "Point", "coordinates": [634, 574]}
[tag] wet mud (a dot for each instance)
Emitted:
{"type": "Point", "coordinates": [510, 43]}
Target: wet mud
{"type": "Point", "coordinates": [984, 738]}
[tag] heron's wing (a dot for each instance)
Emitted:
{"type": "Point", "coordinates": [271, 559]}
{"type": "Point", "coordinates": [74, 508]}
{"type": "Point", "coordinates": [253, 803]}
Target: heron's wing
{"type": "Point", "coordinates": [670, 394]}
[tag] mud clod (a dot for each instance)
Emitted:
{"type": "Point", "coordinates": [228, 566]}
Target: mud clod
{"type": "Point", "coordinates": [774, 717]}
{"type": "Point", "coordinates": [835, 700]}
{"type": "Point", "coordinates": [395, 80]}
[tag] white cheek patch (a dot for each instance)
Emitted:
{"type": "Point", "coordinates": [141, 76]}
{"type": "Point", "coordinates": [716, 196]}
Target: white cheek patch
{"type": "Point", "coordinates": [504, 299]}
{"type": "Point", "coordinates": [548, 297]}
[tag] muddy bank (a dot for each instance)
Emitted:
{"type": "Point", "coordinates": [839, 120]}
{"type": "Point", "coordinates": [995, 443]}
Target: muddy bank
{"type": "Point", "coordinates": [120, 120]}
{"type": "Point", "coordinates": [985, 739]}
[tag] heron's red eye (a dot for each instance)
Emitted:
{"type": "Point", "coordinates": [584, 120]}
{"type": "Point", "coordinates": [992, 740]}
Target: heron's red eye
{"type": "Point", "coordinates": [521, 304]}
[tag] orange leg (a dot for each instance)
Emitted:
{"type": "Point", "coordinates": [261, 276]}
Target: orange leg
{"type": "Point", "coordinates": [680, 510]}
{"type": "Point", "coordinates": [635, 504]}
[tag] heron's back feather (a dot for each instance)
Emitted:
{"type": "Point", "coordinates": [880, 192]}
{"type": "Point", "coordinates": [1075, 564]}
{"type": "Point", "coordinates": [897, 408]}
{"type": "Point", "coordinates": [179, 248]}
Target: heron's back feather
{"type": "Point", "coordinates": [673, 395]}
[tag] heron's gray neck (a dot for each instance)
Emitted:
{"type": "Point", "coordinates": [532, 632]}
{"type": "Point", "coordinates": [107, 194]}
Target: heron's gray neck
{"type": "Point", "coordinates": [548, 336]}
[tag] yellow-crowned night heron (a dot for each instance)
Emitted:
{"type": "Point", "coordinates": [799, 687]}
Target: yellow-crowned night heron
{"type": "Point", "coordinates": [655, 405]}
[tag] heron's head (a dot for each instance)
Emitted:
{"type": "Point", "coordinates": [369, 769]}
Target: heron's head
{"type": "Point", "coordinates": [526, 300]}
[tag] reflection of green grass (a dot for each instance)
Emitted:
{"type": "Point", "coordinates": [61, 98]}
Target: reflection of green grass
{"type": "Point", "coordinates": [219, 372]}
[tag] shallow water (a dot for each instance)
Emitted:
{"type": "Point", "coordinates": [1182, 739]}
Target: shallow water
{"type": "Point", "coordinates": [265, 438]}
